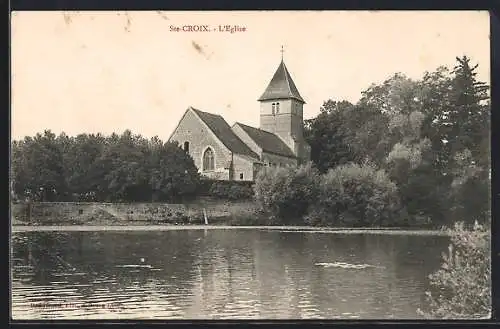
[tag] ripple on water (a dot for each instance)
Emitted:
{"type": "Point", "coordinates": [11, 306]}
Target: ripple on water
{"type": "Point", "coordinates": [243, 274]}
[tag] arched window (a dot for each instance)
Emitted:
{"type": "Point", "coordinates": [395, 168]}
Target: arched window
{"type": "Point", "coordinates": [208, 160]}
{"type": "Point", "coordinates": [186, 147]}
{"type": "Point", "coordinates": [277, 108]}
{"type": "Point", "coordinates": [274, 108]}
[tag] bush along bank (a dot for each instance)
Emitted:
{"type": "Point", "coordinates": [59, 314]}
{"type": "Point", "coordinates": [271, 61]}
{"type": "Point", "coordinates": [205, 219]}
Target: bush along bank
{"type": "Point", "coordinates": [350, 195]}
{"type": "Point", "coordinates": [461, 288]}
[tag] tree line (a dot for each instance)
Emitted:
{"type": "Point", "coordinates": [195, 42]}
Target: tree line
{"type": "Point", "coordinates": [93, 167]}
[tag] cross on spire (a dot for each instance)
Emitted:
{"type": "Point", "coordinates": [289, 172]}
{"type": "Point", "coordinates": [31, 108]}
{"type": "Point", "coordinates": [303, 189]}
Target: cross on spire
{"type": "Point", "coordinates": [282, 51]}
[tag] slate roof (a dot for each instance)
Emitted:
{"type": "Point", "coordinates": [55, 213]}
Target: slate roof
{"type": "Point", "coordinates": [223, 131]}
{"type": "Point", "coordinates": [281, 86]}
{"type": "Point", "coordinates": [267, 141]}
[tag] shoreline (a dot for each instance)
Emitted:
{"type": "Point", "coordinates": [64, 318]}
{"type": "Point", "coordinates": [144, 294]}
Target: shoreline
{"type": "Point", "coordinates": [162, 227]}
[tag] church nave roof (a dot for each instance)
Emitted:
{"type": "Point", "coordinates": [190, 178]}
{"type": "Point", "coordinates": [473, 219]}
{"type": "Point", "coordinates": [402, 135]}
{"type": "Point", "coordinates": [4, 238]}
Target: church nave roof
{"type": "Point", "coordinates": [223, 131]}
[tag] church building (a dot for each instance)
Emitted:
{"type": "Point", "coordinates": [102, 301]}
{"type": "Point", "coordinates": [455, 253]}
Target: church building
{"type": "Point", "coordinates": [238, 152]}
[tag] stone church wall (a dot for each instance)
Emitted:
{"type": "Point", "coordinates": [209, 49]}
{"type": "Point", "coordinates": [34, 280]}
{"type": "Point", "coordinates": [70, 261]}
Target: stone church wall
{"type": "Point", "coordinates": [278, 160]}
{"type": "Point", "coordinates": [192, 130]}
{"type": "Point", "coordinates": [243, 166]}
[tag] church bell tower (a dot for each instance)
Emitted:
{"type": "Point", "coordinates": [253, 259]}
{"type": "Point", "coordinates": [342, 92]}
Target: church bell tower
{"type": "Point", "coordinates": [281, 112]}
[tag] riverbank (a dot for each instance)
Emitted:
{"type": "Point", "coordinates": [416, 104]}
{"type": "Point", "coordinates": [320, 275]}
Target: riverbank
{"type": "Point", "coordinates": [215, 211]}
{"type": "Point", "coordinates": [203, 213]}
{"type": "Point", "coordinates": [291, 229]}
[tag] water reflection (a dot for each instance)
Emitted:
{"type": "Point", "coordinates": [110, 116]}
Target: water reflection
{"type": "Point", "coordinates": [218, 274]}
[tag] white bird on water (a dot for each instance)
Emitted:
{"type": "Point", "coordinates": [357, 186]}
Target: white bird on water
{"type": "Point", "coordinates": [142, 260]}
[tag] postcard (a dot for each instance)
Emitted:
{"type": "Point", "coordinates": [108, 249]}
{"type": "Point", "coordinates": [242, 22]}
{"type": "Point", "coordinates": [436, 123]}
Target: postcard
{"type": "Point", "coordinates": [250, 165]}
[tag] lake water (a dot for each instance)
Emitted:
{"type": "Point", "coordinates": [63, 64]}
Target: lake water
{"type": "Point", "coordinates": [221, 274]}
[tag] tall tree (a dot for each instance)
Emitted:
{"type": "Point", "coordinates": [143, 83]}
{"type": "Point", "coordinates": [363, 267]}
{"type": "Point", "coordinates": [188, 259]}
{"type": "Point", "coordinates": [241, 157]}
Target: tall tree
{"type": "Point", "coordinates": [38, 169]}
{"type": "Point", "coordinates": [80, 161]}
{"type": "Point", "coordinates": [174, 175]}
{"type": "Point", "coordinates": [327, 134]}
{"type": "Point", "coordinates": [127, 174]}
{"type": "Point", "coordinates": [469, 114]}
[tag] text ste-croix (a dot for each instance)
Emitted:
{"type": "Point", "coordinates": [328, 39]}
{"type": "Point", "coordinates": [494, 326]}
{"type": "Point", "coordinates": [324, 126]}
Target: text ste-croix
{"type": "Point", "coordinates": [208, 28]}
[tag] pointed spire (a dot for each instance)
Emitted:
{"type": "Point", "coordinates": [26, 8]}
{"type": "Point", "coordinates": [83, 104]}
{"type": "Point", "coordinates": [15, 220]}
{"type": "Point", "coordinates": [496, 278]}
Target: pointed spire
{"type": "Point", "coordinates": [281, 85]}
{"type": "Point", "coordinates": [282, 51]}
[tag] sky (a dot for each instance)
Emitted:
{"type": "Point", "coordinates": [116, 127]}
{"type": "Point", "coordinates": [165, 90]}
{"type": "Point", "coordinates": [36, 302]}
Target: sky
{"type": "Point", "coordinates": [104, 72]}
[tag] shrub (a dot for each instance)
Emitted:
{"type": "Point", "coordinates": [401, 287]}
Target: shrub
{"type": "Point", "coordinates": [231, 190]}
{"type": "Point", "coordinates": [461, 288]}
{"type": "Point", "coordinates": [240, 192]}
{"type": "Point", "coordinates": [286, 193]}
{"type": "Point", "coordinates": [469, 197]}
{"type": "Point", "coordinates": [356, 195]}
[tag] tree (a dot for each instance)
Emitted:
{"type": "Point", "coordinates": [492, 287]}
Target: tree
{"type": "Point", "coordinates": [37, 167]}
{"type": "Point", "coordinates": [80, 161]}
{"type": "Point", "coordinates": [327, 136]}
{"type": "Point", "coordinates": [469, 117]}
{"type": "Point", "coordinates": [469, 194]}
{"type": "Point", "coordinates": [126, 175]}
{"type": "Point", "coordinates": [173, 175]}
{"type": "Point", "coordinates": [368, 138]}
{"type": "Point", "coordinates": [457, 116]}
{"type": "Point", "coordinates": [388, 114]}
{"type": "Point", "coordinates": [356, 195]}
{"type": "Point", "coordinates": [286, 193]}
{"type": "Point", "coordinates": [468, 144]}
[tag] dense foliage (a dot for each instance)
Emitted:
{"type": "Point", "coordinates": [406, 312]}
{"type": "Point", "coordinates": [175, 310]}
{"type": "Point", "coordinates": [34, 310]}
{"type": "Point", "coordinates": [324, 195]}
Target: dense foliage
{"type": "Point", "coordinates": [431, 136]}
{"type": "Point", "coordinates": [461, 288]}
{"type": "Point", "coordinates": [356, 195]}
{"type": "Point", "coordinates": [348, 195]}
{"type": "Point", "coordinates": [230, 190]}
{"type": "Point", "coordinates": [286, 193]}
{"type": "Point", "coordinates": [96, 168]}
